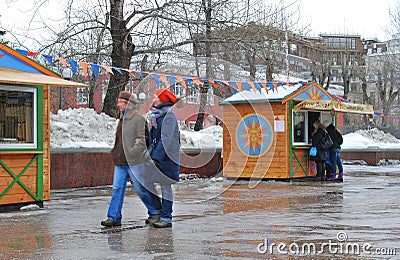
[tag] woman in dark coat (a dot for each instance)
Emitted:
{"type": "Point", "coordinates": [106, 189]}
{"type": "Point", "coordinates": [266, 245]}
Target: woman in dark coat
{"type": "Point", "coordinates": [334, 151]}
{"type": "Point", "coordinates": [164, 165]}
{"type": "Point", "coordinates": [320, 158]}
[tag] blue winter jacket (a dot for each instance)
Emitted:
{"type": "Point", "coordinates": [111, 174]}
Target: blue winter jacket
{"type": "Point", "coordinates": [166, 140]}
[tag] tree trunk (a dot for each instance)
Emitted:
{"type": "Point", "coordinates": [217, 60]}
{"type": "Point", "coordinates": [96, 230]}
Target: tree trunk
{"type": "Point", "coordinates": [121, 56]}
{"type": "Point", "coordinates": [203, 102]}
{"type": "Point", "coordinates": [204, 89]}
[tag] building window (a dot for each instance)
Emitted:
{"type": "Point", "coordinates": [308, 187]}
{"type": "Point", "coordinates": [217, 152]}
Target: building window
{"type": "Point", "coordinates": [179, 90]}
{"type": "Point", "coordinates": [299, 129]}
{"type": "Point", "coordinates": [303, 125]}
{"type": "Point", "coordinates": [353, 44]}
{"type": "Point", "coordinates": [352, 59]}
{"type": "Point", "coordinates": [372, 98]}
{"type": "Point", "coordinates": [210, 96]}
{"type": "Point", "coordinates": [193, 94]}
{"type": "Point", "coordinates": [18, 120]}
{"type": "Point", "coordinates": [334, 59]}
{"type": "Point", "coordinates": [192, 125]}
{"type": "Point", "coordinates": [82, 96]}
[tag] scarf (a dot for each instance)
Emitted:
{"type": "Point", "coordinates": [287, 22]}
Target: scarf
{"type": "Point", "coordinates": [157, 113]}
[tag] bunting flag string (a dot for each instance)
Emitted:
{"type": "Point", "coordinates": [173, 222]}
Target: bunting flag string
{"type": "Point", "coordinates": [74, 65]}
{"type": "Point", "coordinates": [48, 58]}
{"type": "Point", "coordinates": [62, 61]}
{"type": "Point", "coordinates": [185, 81]}
{"type": "Point", "coordinates": [84, 67]}
{"type": "Point", "coordinates": [386, 116]}
{"type": "Point", "coordinates": [168, 80]}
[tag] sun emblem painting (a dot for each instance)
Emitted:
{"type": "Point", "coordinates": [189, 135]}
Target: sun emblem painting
{"type": "Point", "coordinates": [254, 135]}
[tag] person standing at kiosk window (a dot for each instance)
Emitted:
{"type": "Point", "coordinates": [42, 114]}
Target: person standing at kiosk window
{"type": "Point", "coordinates": [334, 151]}
{"type": "Point", "coordinates": [320, 158]}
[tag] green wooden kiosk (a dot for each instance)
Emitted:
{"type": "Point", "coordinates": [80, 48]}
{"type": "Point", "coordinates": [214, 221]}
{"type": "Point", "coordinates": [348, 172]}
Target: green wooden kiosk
{"type": "Point", "coordinates": [25, 129]}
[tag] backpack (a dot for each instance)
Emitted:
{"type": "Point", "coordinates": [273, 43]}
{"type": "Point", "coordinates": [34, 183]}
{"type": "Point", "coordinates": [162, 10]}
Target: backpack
{"type": "Point", "coordinates": [339, 137]}
{"type": "Point", "coordinates": [326, 142]}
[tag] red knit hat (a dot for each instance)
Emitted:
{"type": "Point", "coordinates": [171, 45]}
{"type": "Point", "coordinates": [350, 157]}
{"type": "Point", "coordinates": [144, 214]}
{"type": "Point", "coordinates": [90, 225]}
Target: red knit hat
{"type": "Point", "coordinates": [165, 95]}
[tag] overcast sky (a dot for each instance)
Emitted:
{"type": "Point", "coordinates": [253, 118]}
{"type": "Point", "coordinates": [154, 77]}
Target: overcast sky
{"type": "Point", "coordinates": [367, 18]}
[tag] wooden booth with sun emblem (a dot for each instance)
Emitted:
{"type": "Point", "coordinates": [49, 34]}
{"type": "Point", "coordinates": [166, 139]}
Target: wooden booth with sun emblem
{"type": "Point", "coordinates": [25, 129]}
{"type": "Point", "coordinates": [267, 134]}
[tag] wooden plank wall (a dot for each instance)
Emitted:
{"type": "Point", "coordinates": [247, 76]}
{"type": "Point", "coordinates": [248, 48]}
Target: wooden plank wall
{"type": "Point", "coordinates": [46, 143]}
{"type": "Point", "coordinates": [302, 154]}
{"type": "Point", "coordinates": [16, 163]}
{"type": "Point", "coordinates": [273, 164]}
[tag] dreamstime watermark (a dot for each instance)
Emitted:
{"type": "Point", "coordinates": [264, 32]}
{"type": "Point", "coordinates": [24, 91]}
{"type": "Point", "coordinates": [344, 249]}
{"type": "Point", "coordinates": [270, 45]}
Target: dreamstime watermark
{"type": "Point", "coordinates": [340, 246]}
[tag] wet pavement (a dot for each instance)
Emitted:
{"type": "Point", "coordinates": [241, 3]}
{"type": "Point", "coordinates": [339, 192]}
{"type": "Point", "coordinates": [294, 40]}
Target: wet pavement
{"type": "Point", "coordinates": [215, 219]}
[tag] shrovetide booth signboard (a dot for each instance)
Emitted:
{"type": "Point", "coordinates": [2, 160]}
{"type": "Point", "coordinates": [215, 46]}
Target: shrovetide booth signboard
{"type": "Point", "coordinates": [267, 135]}
{"type": "Point", "coordinates": [24, 129]}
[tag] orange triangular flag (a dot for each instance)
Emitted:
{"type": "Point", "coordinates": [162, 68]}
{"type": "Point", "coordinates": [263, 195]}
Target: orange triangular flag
{"type": "Point", "coordinates": [164, 79]}
{"type": "Point", "coordinates": [264, 85]}
{"type": "Point", "coordinates": [108, 69]}
{"type": "Point", "coordinates": [63, 61]}
{"type": "Point", "coordinates": [84, 67]}
{"type": "Point", "coordinates": [253, 86]}
{"type": "Point", "coordinates": [239, 85]}
{"type": "Point", "coordinates": [181, 81]}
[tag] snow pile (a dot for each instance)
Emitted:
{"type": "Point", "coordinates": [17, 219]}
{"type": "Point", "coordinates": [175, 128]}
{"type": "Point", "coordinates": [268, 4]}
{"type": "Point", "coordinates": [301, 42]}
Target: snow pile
{"type": "Point", "coordinates": [82, 127]}
{"type": "Point", "coordinates": [85, 128]}
{"type": "Point", "coordinates": [378, 136]}
{"type": "Point", "coordinates": [210, 137]}
{"type": "Point", "coordinates": [372, 139]}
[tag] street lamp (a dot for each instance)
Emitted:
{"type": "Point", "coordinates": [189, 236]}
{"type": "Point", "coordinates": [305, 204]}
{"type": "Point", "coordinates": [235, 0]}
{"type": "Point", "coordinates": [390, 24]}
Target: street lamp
{"type": "Point", "coordinates": [142, 97]}
{"type": "Point", "coordinates": [67, 73]}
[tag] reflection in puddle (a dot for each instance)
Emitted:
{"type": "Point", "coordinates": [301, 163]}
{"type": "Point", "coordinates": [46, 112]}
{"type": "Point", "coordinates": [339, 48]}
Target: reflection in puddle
{"type": "Point", "coordinates": [265, 196]}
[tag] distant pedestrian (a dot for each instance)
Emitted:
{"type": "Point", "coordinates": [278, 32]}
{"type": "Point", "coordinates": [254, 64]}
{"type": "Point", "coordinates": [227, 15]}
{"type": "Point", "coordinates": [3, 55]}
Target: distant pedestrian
{"type": "Point", "coordinates": [320, 158]}
{"type": "Point", "coordinates": [129, 146]}
{"type": "Point", "coordinates": [334, 151]}
{"type": "Point", "coordinates": [164, 167]}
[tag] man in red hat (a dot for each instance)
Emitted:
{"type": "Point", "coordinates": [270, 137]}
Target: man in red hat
{"type": "Point", "coordinates": [164, 149]}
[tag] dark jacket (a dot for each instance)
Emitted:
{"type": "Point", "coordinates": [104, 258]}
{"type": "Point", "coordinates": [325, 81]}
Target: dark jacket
{"type": "Point", "coordinates": [166, 140]}
{"type": "Point", "coordinates": [316, 139]}
{"type": "Point", "coordinates": [333, 133]}
{"type": "Point", "coordinates": [130, 142]}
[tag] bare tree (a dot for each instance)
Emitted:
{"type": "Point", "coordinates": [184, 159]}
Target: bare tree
{"type": "Point", "coordinates": [387, 76]}
{"type": "Point", "coordinates": [120, 33]}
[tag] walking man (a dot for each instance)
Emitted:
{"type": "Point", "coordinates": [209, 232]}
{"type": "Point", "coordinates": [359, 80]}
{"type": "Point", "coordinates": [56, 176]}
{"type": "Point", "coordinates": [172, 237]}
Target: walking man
{"type": "Point", "coordinates": [127, 154]}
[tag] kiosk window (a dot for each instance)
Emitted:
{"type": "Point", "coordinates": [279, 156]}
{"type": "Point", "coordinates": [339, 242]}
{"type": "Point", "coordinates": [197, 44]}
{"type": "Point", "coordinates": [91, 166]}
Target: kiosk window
{"type": "Point", "coordinates": [17, 117]}
{"type": "Point", "coordinates": [299, 131]}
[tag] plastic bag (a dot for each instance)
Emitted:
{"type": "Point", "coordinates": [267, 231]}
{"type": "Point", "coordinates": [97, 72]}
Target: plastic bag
{"type": "Point", "coordinates": [313, 151]}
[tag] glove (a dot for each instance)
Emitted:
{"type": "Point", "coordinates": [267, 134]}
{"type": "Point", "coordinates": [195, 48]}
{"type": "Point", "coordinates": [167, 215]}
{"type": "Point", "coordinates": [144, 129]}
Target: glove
{"type": "Point", "coordinates": [147, 159]}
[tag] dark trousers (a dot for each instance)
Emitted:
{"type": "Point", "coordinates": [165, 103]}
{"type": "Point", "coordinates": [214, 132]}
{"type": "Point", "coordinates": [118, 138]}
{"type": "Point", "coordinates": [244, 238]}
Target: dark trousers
{"type": "Point", "coordinates": [320, 168]}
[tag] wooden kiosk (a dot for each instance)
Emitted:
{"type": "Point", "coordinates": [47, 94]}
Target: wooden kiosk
{"type": "Point", "coordinates": [25, 129]}
{"type": "Point", "coordinates": [266, 135]}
